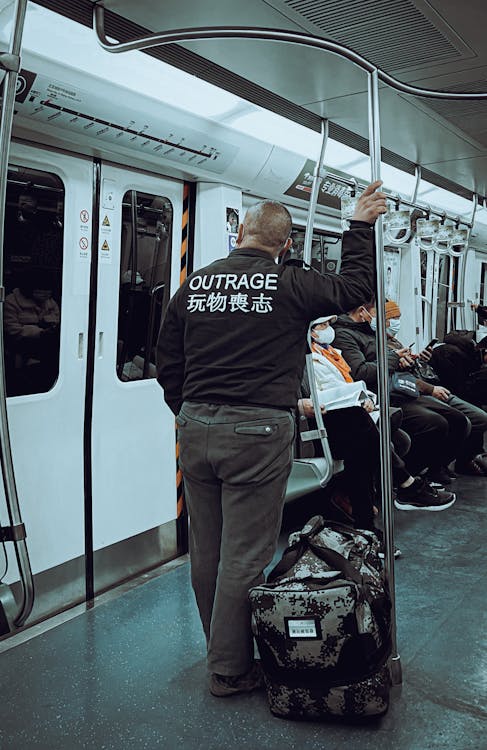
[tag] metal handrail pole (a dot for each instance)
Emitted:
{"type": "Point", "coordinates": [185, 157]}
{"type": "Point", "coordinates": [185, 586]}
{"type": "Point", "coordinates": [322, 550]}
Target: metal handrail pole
{"type": "Point", "coordinates": [176, 36]}
{"type": "Point", "coordinates": [11, 496]}
{"type": "Point", "coordinates": [322, 433]}
{"type": "Point", "coordinates": [463, 260]}
{"type": "Point", "coordinates": [417, 174]}
{"type": "Point", "coordinates": [317, 180]}
{"type": "Point", "coordinates": [383, 376]}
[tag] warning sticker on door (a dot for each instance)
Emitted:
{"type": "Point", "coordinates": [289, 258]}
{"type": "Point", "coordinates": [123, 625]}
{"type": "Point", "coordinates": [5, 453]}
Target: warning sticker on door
{"type": "Point", "coordinates": [84, 245]}
{"type": "Point", "coordinates": [105, 252]}
{"type": "Point", "coordinates": [106, 221]}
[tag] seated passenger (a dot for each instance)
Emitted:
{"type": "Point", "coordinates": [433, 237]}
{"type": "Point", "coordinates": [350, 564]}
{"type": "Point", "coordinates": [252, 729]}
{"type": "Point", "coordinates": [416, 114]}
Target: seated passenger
{"type": "Point", "coordinates": [458, 361]}
{"type": "Point", "coordinates": [354, 437]}
{"type": "Point", "coordinates": [437, 422]}
{"type": "Point", "coordinates": [469, 459]}
{"type": "Point", "coordinates": [31, 326]}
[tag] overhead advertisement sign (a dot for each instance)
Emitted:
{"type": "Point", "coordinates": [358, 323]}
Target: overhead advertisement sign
{"type": "Point", "coordinates": [330, 191]}
{"type": "Point", "coordinates": [57, 105]}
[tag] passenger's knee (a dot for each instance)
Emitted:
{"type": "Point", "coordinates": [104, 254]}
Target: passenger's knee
{"type": "Point", "coordinates": [459, 425]}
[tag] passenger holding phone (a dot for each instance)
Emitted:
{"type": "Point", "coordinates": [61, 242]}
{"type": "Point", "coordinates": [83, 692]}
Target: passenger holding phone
{"type": "Point", "coordinates": [442, 426]}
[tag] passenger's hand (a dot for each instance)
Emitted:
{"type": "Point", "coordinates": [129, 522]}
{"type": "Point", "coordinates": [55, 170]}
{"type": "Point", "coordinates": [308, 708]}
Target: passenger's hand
{"type": "Point", "coordinates": [406, 359]}
{"type": "Point", "coordinates": [306, 407]}
{"type": "Point", "coordinates": [425, 355]}
{"type": "Point", "coordinates": [370, 204]}
{"type": "Point", "coordinates": [442, 394]}
{"type": "Point", "coordinates": [368, 405]}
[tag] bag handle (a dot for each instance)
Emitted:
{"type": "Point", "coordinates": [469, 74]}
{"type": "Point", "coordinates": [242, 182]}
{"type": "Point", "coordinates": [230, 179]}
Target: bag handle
{"type": "Point", "coordinates": [337, 561]}
{"type": "Point", "coordinates": [333, 559]}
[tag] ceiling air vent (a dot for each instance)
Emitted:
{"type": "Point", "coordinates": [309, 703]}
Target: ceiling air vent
{"type": "Point", "coordinates": [412, 39]}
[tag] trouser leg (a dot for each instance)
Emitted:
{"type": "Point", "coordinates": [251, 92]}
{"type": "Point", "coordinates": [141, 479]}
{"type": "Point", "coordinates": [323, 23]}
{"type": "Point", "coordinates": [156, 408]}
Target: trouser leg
{"type": "Point", "coordinates": [473, 444]}
{"type": "Point", "coordinates": [203, 498]}
{"type": "Point", "coordinates": [254, 470]}
{"type": "Point", "coordinates": [236, 464]}
{"type": "Point", "coordinates": [459, 427]}
{"type": "Point", "coordinates": [354, 437]}
{"type": "Point", "coordinates": [428, 432]}
{"type": "Point", "coordinates": [205, 528]}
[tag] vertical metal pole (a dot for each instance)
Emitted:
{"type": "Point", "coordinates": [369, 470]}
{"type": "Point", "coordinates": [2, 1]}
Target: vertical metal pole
{"type": "Point", "coordinates": [434, 296]}
{"type": "Point", "coordinates": [383, 376]}
{"type": "Point", "coordinates": [317, 180]}
{"type": "Point", "coordinates": [6, 117]}
{"type": "Point", "coordinates": [417, 173]}
{"type": "Point", "coordinates": [463, 262]}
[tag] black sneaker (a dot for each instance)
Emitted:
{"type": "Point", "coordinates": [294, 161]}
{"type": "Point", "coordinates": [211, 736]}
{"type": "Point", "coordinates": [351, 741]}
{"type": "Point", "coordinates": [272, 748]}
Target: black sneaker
{"type": "Point", "coordinates": [222, 686]}
{"type": "Point", "coordinates": [439, 475]}
{"type": "Point", "coordinates": [420, 495]}
{"type": "Point", "coordinates": [477, 467]}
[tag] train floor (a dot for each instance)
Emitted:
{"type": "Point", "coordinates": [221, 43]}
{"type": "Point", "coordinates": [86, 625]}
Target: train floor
{"type": "Point", "coordinates": [130, 672]}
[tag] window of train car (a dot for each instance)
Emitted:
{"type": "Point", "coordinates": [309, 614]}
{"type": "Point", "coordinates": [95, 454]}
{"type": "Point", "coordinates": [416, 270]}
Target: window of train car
{"type": "Point", "coordinates": [33, 263]}
{"type": "Point", "coordinates": [145, 268]}
{"type": "Point", "coordinates": [320, 250]}
{"type": "Point", "coordinates": [443, 292]}
{"type": "Point", "coordinates": [455, 318]}
{"type": "Point", "coordinates": [483, 284]}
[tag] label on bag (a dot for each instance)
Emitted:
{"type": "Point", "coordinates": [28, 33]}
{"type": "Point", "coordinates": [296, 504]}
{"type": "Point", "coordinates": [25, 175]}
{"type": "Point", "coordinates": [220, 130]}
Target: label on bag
{"type": "Point", "coordinates": [304, 629]}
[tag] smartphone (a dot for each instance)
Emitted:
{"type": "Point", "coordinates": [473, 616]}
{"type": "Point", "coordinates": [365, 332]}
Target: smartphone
{"type": "Point", "coordinates": [432, 343]}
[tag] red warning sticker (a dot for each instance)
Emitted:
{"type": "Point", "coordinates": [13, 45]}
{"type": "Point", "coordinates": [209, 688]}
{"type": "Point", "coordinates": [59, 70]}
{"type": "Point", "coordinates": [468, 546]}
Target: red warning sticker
{"type": "Point", "coordinates": [84, 216]}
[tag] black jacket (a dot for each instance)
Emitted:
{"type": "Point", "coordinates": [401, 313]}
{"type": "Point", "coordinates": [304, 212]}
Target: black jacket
{"type": "Point", "coordinates": [235, 332]}
{"type": "Point", "coordinates": [357, 344]}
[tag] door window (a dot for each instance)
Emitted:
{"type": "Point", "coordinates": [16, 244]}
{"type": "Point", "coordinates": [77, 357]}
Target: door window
{"type": "Point", "coordinates": [33, 262]}
{"type": "Point", "coordinates": [483, 284]}
{"type": "Point", "coordinates": [443, 290]}
{"type": "Point", "coordinates": [145, 268]}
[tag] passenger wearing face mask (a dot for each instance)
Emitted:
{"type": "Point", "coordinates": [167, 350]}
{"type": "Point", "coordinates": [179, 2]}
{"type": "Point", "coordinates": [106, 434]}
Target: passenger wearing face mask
{"type": "Point", "coordinates": [361, 466]}
{"type": "Point", "coordinates": [438, 423]}
{"type": "Point", "coordinates": [469, 457]}
{"type": "Point", "coordinates": [329, 366]}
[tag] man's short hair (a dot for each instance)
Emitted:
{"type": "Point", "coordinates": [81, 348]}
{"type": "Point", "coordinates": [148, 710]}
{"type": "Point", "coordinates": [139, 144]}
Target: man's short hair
{"type": "Point", "coordinates": [269, 222]}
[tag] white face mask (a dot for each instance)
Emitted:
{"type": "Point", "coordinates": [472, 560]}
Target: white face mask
{"type": "Point", "coordinates": [394, 326]}
{"type": "Point", "coordinates": [372, 321]}
{"type": "Point", "coordinates": [325, 335]}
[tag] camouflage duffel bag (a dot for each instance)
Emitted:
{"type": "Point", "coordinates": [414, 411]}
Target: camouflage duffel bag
{"type": "Point", "coordinates": [322, 625]}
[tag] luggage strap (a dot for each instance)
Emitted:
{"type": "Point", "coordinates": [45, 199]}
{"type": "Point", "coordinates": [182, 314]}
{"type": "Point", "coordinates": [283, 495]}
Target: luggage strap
{"type": "Point", "coordinates": [333, 559]}
{"type": "Point", "coordinates": [319, 677]}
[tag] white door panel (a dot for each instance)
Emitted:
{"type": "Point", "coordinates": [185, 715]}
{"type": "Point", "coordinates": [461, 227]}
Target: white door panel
{"type": "Point", "coordinates": [46, 429]}
{"type": "Point", "coordinates": [134, 481]}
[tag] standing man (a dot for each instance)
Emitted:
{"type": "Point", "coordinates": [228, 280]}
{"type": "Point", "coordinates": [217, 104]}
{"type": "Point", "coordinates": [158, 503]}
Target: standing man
{"type": "Point", "coordinates": [230, 360]}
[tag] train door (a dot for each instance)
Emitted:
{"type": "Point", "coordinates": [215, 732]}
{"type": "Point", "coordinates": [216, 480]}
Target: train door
{"type": "Point", "coordinates": [133, 439]}
{"type": "Point", "coordinates": [47, 273]}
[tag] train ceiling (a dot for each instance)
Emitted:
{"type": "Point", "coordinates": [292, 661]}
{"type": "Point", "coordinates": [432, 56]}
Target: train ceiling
{"type": "Point", "coordinates": [438, 44]}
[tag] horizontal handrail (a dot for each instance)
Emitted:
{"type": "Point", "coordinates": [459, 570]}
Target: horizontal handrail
{"type": "Point", "coordinates": [277, 35]}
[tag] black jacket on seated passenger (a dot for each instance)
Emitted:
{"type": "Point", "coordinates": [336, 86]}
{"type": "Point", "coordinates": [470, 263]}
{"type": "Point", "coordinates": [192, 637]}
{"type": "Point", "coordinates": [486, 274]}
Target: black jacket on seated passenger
{"type": "Point", "coordinates": [358, 346]}
{"type": "Point", "coordinates": [458, 362]}
{"type": "Point", "coordinates": [235, 332]}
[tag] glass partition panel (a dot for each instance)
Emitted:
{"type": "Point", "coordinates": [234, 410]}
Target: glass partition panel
{"type": "Point", "coordinates": [33, 263]}
{"type": "Point", "coordinates": [145, 272]}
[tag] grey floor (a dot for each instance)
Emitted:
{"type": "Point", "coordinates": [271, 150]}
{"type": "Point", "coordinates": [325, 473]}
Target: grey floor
{"type": "Point", "coordinates": [130, 673]}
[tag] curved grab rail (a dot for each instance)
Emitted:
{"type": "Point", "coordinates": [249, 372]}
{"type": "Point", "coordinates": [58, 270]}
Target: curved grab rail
{"type": "Point", "coordinates": [277, 35]}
